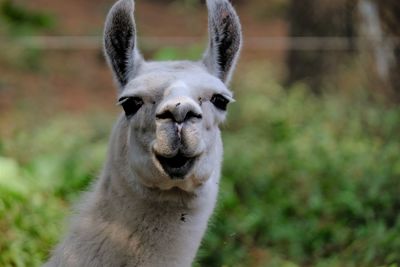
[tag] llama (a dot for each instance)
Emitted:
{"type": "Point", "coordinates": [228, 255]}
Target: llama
{"type": "Point", "coordinates": [152, 202]}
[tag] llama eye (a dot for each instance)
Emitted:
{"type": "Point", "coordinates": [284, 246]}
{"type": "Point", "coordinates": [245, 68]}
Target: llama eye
{"type": "Point", "coordinates": [131, 105]}
{"type": "Point", "coordinates": [219, 101]}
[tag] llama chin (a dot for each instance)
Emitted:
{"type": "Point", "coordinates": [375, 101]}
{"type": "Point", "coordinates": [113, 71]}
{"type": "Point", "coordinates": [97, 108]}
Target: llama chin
{"type": "Point", "coordinates": [158, 188]}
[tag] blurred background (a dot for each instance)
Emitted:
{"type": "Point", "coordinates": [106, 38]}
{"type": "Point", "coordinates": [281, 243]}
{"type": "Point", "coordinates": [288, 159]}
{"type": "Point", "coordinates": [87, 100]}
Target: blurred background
{"type": "Point", "coordinates": [312, 151]}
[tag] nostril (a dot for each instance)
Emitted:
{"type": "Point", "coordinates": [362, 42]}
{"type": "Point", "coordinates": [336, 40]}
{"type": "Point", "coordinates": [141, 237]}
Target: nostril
{"type": "Point", "coordinates": [192, 114]}
{"type": "Point", "coordinates": [169, 115]}
{"type": "Point", "coordinates": [178, 111]}
{"type": "Point", "coordinates": [165, 115]}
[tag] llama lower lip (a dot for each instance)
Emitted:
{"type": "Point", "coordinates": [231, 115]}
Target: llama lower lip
{"type": "Point", "coordinates": [176, 167]}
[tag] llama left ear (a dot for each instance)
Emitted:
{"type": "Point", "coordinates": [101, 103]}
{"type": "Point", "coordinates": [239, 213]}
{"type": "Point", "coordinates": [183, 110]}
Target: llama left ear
{"type": "Point", "coordinates": [120, 42]}
{"type": "Point", "coordinates": [225, 39]}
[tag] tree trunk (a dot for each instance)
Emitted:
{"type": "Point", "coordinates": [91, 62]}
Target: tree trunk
{"type": "Point", "coordinates": [314, 62]}
{"type": "Point", "coordinates": [380, 27]}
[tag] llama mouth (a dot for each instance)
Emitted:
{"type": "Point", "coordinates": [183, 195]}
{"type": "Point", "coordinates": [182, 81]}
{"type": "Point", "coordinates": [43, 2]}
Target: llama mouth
{"type": "Point", "coordinates": [177, 166]}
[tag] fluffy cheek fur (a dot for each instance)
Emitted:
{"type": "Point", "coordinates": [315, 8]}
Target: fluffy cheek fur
{"type": "Point", "coordinates": [141, 158]}
{"type": "Point", "coordinates": [210, 160]}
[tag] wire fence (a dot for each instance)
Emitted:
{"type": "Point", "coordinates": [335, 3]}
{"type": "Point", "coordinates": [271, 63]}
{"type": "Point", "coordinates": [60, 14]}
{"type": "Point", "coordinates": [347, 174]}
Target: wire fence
{"type": "Point", "coordinates": [251, 43]}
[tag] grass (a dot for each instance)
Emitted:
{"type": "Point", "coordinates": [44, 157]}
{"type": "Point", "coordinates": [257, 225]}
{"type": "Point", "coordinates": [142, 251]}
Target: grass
{"type": "Point", "coordinates": [306, 182]}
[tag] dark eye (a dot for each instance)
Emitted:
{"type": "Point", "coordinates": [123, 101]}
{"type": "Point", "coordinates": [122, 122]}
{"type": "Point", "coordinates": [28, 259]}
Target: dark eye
{"type": "Point", "coordinates": [219, 101]}
{"type": "Point", "coordinates": [130, 105]}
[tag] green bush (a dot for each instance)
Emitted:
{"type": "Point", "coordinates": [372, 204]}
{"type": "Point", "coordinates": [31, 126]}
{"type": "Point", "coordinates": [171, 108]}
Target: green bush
{"type": "Point", "coordinates": [17, 23]}
{"type": "Point", "coordinates": [306, 181]}
{"type": "Point", "coordinates": [314, 180]}
{"type": "Point", "coordinates": [19, 20]}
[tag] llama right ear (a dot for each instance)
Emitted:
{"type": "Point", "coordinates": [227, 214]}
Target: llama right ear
{"type": "Point", "coordinates": [120, 41]}
{"type": "Point", "coordinates": [225, 39]}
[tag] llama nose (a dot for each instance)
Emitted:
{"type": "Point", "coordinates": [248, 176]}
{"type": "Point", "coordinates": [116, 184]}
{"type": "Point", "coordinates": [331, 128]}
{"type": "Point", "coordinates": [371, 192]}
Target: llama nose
{"type": "Point", "coordinates": [179, 110]}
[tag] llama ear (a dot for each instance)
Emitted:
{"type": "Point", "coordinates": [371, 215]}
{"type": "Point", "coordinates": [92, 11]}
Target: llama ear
{"type": "Point", "coordinates": [120, 41]}
{"type": "Point", "coordinates": [225, 39]}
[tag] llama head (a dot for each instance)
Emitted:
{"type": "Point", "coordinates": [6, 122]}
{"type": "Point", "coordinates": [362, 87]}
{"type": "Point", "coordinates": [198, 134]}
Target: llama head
{"type": "Point", "coordinates": [172, 110]}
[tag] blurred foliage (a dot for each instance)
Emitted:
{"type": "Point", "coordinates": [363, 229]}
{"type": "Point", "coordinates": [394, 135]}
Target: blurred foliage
{"type": "Point", "coordinates": [18, 20]}
{"type": "Point", "coordinates": [313, 180]}
{"type": "Point", "coordinates": [271, 9]}
{"type": "Point", "coordinates": [307, 181]}
{"type": "Point", "coordinates": [193, 52]}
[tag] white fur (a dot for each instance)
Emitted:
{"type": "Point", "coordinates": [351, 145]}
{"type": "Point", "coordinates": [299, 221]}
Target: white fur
{"type": "Point", "coordinates": [136, 214]}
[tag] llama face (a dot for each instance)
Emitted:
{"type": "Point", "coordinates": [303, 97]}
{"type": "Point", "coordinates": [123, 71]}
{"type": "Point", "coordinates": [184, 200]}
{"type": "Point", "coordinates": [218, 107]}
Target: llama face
{"type": "Point", "coordinates": [173, 109]}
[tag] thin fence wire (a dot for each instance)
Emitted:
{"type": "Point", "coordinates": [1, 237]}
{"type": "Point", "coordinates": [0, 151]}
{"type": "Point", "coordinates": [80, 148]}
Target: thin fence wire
{"type": "Point", "coordinates": [251, 43]}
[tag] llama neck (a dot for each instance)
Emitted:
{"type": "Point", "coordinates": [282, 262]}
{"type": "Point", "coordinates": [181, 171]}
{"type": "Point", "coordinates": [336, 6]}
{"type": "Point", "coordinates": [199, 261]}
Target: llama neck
{"type": "Point", "coordinates": [123, 223]}
{"type": "Point", "coordinates": [113, 228]}
{"type": "Point", "coordinates": [152, 232]}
